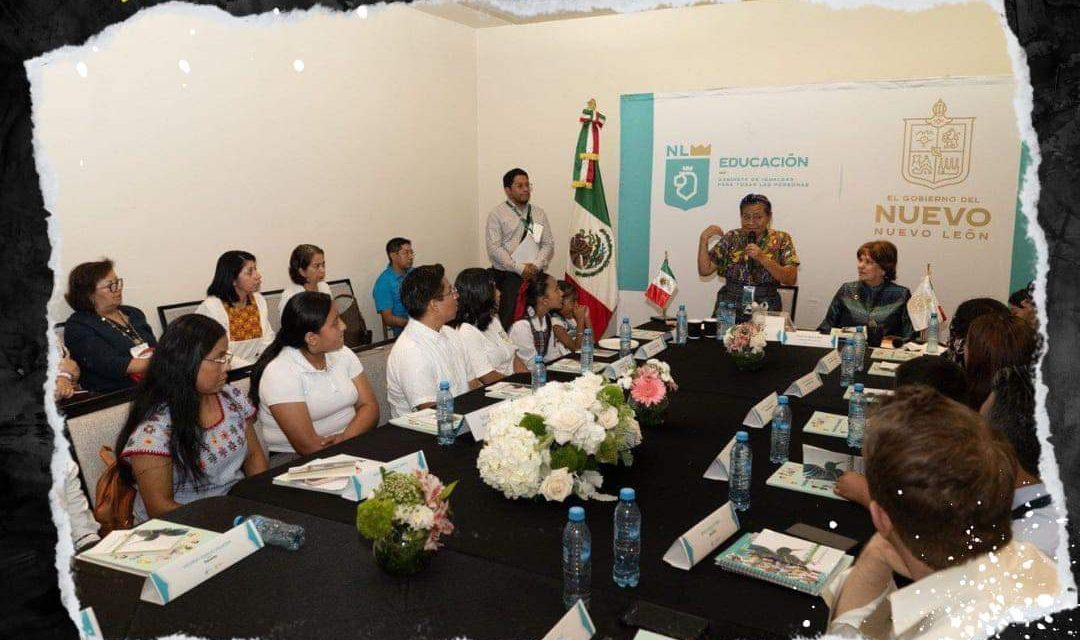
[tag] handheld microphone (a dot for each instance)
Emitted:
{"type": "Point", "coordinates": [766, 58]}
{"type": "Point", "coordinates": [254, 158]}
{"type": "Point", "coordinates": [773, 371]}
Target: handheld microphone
{"type": "Point", "coordinates": [751, 238]}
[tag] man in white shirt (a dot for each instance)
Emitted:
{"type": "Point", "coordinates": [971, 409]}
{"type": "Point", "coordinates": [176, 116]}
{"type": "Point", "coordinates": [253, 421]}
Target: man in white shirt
{"type": "Point", "coordinates": [941, 488]}
{"type": "Point", "coordinates": [1010, 408]}
{"type": "Point", "coordinates": [519, 241]}
{"type": "Point", "coordinates": [427, 351]}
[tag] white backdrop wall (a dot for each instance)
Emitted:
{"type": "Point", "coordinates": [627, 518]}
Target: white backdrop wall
{"type": "Point", "coordinates": [162, 169]}
{"type": "Point", "coordinates": [533, 80]}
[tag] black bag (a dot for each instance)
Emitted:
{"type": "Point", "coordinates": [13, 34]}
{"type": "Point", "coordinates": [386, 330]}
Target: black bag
{"type": "Point", "coordinates": [356, 331]}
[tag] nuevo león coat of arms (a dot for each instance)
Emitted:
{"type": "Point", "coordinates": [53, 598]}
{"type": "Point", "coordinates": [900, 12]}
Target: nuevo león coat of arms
{"type": "Point", "coordinates": [937, 150]}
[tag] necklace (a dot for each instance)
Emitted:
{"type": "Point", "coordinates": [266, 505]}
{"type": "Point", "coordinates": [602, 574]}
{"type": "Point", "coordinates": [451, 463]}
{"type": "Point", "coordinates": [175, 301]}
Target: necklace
{"type": "Point", "coordinates": [124, 328]}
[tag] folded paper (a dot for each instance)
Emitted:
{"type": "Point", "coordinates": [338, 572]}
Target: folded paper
{"type": "Point", "coordinates": [362, 485]}
{"type": "Point", "coordinates": [703, 538]}
{"type": "Point", "coordinates": [804, 386]}
{"type": "Point", "coordinates": [721, 464]}
{"type": "Point", "coordinates": [762, 413]}
{"type": "Point", "coordinates": [828, 362]}
{"type": "Point", "coordinates": [575, 625]}
{"type": "Point", "coordinates": [620, 368]}
{"type": "Point", "coordinates": [807, 339]}
{"type": "Point", "coordinates": [190, 570]}
{"type": "Point", "coordinates": [650, 349]}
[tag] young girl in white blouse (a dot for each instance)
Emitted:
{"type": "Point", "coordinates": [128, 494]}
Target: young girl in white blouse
{"type": "Point", "coordinates": [490, 350]}
{"type": "Point", "coordinates": [533, 334]}
{"type": "Point", "coordinates": [310, 391]}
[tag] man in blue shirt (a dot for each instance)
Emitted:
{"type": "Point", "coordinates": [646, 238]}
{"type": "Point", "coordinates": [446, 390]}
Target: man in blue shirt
{"type": "Point", "coordinates": [387, 291]}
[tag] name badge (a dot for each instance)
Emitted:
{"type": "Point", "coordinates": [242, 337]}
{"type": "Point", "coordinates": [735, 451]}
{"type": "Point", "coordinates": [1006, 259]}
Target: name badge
{"type": "Point", "coordinates": [650, 349]}
{"type": "Point", "coordinates": [703, 538]}
{"type": "Point", "coordinates": [828, 362]}
{"type": "Point", "coordinates": [363, 484]}
{"type": "Point", "coordinates": [190, 570]}
{"type": "Point", "coordinates": [804, 385]}
{"type": "Point", "coordinates": [537, 231]}
{"type": "Point", "coordinates": [619, 368]}
{"type": "Point", "coordinates": [762, 412]}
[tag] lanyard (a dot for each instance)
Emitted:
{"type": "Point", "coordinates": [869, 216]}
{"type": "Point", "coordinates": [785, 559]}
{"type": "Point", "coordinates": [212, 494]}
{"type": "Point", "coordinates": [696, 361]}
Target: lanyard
{"type": "Point", "coordinates": [528, 218]}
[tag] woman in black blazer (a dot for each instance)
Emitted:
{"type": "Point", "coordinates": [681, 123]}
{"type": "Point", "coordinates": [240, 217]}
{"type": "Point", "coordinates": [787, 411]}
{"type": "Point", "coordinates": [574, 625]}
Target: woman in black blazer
{"type": "Point", "coordinates": [111, 342]}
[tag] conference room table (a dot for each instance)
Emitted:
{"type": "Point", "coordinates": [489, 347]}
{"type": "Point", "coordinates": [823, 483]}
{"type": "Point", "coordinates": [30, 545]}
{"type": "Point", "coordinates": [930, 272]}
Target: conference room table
{"type": "Point", "coordinates": [500, 573]}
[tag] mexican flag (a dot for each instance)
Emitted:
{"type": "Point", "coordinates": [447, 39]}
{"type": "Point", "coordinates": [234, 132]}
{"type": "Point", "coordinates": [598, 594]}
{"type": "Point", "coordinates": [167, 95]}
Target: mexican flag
{"type": "Point", "coordinates": [591, 267]}
{"type": "Point", "coordinates": [922, 303]}
{"type": "Point", "coordinates": [662, 287]}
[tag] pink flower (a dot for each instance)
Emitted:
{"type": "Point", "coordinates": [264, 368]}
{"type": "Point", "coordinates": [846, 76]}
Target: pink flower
{"type": "Point", "coordinates": [431, 486]}
{"type": "Point", "coordinates": [648, 390]}
{"type": "Point", "coordinates": [440, 525]}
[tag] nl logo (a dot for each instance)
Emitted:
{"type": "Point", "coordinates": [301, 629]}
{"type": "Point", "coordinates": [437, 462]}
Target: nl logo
{"type": "Point", "coordinates": [686, 175]}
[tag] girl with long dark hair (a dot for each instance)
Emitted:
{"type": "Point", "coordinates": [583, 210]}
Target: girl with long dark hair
{"type": "Point", "coordinates": [533, 334]}
{"type": "Point", "coordinates": [233, 299]}
{"type": "Point", "coordinates": [491, 353]}
{"type": "Point", "coordinates": [310, 391]}
{"type": "Point", "coordinates": [189, 435]}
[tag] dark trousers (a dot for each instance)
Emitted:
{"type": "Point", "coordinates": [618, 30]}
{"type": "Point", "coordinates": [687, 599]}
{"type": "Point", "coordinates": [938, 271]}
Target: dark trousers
{"type": "Point", "coordinates": [508, 284]}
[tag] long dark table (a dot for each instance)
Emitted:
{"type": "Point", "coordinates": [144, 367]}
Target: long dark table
{"type": "Point", "coordinates": [500, 543]}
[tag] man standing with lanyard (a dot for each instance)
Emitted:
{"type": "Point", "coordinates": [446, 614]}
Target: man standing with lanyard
{"type": "Point", "coordinates": [519, 241]}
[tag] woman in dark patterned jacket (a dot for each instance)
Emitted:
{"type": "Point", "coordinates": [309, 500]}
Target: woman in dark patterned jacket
{"type": "Point", "coordinates": [874, 300]}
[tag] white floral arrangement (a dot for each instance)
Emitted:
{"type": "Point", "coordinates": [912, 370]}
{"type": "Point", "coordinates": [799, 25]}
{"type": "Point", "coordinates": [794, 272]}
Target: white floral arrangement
{"type": "Point", "coordinates": [551, 442]}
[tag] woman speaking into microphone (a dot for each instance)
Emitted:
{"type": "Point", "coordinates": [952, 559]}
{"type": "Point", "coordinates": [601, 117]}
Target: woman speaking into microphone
{"type": "Point", "coordinates": [755, 257]}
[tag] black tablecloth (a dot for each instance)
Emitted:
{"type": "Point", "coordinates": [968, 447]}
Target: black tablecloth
{"type": "Point", "coordinates": [667, 474]}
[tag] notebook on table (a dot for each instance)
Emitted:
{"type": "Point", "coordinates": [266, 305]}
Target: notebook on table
{"type": "Point", "coordinates": [147, 547]}
{"type": "Point", "coordinates": [784, 560]}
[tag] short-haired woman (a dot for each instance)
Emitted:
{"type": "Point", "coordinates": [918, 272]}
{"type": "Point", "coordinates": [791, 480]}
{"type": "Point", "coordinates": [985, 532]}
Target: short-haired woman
{"type": "Point", "coordinates": [110, 341]}
{"type": "Point", "coordinates": [311, 391]}
{"type": "Point", "coordinates": [233, 299]}
{"type": "Point", "coordinates": [874, 301]}
{"type": "Point", "coordinates": [490, 350]}
{"type": "Point", "coordinates": [307, 272]}
{"type": "Point", "coordinates": [189, 435]}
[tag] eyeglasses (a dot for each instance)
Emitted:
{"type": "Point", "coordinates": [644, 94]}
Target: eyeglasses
{"type": "Point", "coordinates": [223, 360]}
{"type": "Point", "coordinates": [753, 216]}
{"type": "Point", "coordinates": [452, 292]}
{"type": "Point", "coordinates": [405, 252]}
{"type": "Point", "coordinates": [114, 286]}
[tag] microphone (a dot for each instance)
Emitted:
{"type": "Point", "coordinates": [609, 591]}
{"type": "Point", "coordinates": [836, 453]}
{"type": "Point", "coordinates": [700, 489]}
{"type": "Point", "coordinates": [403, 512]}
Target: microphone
{"type": "Point", "coordinates": [751, 238]}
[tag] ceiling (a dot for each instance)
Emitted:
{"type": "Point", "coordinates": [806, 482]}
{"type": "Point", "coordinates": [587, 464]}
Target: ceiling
{"type": "Point", "coordinates": [481, 15]}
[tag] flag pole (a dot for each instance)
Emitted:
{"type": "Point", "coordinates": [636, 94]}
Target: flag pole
{"type": "Point", "coordinates": [663, 311]}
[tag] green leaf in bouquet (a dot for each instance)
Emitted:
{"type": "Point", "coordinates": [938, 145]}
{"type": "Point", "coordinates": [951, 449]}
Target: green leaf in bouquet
{"type": "Point", "coordinates": [608, 451]}
{"type": "Point", "coordinates": [375, 518]}
{"type": "Point", "coordinates": [570, 457]}
{"type": "Point", "coordinates": [626, 458]}
{"type": "Point", "coordinates": [444, 495]}
{"type": "Point", "coordinates": [612, 394]}
{"type": "Point", "coordinates": [535, 423]}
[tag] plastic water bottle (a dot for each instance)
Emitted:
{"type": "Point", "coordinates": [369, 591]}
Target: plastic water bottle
{"type": "Point", "coordinates": [576, 559]}
{"type": "Point", "coordinates": [624, 337]}
{"type": "Point", "coordinates": [739, 483]}
{"type": "Point", "coordinates": [847, 363]}
{"type": "Point", "coordinates": [727, 313]}
{"type": "Point", "coordinates": [680, 325]}
{"type": "Point", "coordinates": [627, 569]}
{"type": "Point", "coordinates": [586, 351]}
{"type": "Point", "coordinates": [856, 417]}
{"type": "Point", "coordinates": [860, 349]}
{"type": "Point", "coordinates": [539, 372]}
{"type": "Point", "coordinates": [275, 532]}
{"type": "Point", "coordinates": [932, 333]}
{"type": "Point", "coordinates": [781, 432]}
{"type": "Point", "coordinates": [747, 300]}
{"type": "Point", "coordinates": [444, 414]}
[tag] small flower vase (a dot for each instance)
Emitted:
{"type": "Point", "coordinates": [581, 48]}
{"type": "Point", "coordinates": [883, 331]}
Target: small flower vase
{"type": "Point", "coordinates": [401, 552]}
{"type": "Point", "coordinates": [650, 415]}
{"type": "Point", "coordinates": [748, 360]}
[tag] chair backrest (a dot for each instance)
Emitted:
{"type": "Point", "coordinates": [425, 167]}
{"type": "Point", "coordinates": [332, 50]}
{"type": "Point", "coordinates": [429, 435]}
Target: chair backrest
{"type": "Point", "coordinates": [339, 287]}
{"type": "Point", "coordinates": [789, 296]}
{"type": "Point", "coordinates": [58, 329]}
{"type": "Point", "coordinates": [169, 312]}
{"type": "Point", "coordinates": [91, 431]}
{"type": "Point", "coordinates": [273, 298]}
{"type": "Point", "coordinates": [374, 361]}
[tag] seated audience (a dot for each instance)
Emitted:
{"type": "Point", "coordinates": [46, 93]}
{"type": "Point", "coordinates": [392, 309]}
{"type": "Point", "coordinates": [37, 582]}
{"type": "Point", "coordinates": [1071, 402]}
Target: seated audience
{"type": "Point", "coordinates": [995, 341]}
{"type": "Point", "coordinates": [307, 272]}
{"type": "Point", "coordinates": [941, 492]}
{"type": "Point", "coordinates": [491, 354]}
{"type": "Point", "coordinates": [962, 319]}
{"type": "Point", "coordinates": [110, 341]}
{"type": "Point", "coordinates": [1022, 304]}
{"type": "Point", "coordinates": [189, 435]}
{"type": "Point", "coordinates": [1010, 409]}
{"type": "Point", "coordinates": [428, 351]}
{"type": "Point", "coordinates": [387, 290]}
{"type": "Point", "coordinates": [874, 301]}
{"type": "Point", "coordinates": [570, 321]}
{"type": "Point", "coordinates": [233, 299]}
{"type": "Point", "coordinates": [67, 376]}
{"type": "Point", "coordinates": [533, 333]}
{"type": "Point", "coordinates": [311, 391]}
{"type": "Point", "coordinates": [945, 376]}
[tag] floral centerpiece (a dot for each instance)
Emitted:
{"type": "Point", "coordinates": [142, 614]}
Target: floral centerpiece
{"type": "Point", "coordinates": [404, 518]}
{"type": "Point", "coordinates": [649, 386]}
{"type": "Point", "coordinates": [552, 442]}
{"type": "Point", "coordinates": [746, 344]}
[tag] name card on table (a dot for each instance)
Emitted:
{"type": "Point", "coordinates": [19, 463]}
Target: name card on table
{"type": "Point", "coordinates": [620, 368]}
{"type": "Point", "coordinates": [363, 484]}
{"type": "Point", "coordinates": [650, 349]}
{"type": "Point", "coordinates": [718, 468]}
{"type": "Point", "coordinates": [703, 538]}
{"type": "Point", "coordinates": [808, 339]}
{"type": "Point", "coordinates": [775, 327]}
{"type": "Point", "coordinates": [477, 420]}
{"type": "Point", "coordinates": [884, 369]}
{"type": "Point", "coordinates": [762, 413]}
{"type": "Point", "coordinates": [575, 625]}
{"type": "Point", "coordinates": [828, 362]}
{"type": "Point", "coordinates": [804, 385]}
{"type": "Point", "coordinates": [192, 569]}
{"type": "Point", "coordinates": [88, 625]}
{"type": "Point", "coordinates": [869, 393]}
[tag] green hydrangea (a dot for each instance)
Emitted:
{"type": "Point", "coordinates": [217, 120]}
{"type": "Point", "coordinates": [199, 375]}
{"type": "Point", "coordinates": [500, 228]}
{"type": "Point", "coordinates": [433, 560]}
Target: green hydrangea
{"type": "Point", "coordinates": [534, 423]}
{"type": "Point", "coordinates": [612, 394]}
{"type": "Point", "coordinates": [608, 451]}
{"type": "Point", "coordinates": [570, 457]}
{"type": "Point", "coordinates": [375, 518]}
{"type": "Point", "coordinates": [400, 489]}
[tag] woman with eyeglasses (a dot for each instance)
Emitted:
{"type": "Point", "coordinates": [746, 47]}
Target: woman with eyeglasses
{"type": "Point", "coordinates": [311, 391]}
{"type": "Point", "coordinates": [189, 435]}
{"type": "Point", "coordinates": [755, 256]}
{"type": "Point", "coordinates": [233, 299]}
{"type": "Point", "coordinates": [110, 341]}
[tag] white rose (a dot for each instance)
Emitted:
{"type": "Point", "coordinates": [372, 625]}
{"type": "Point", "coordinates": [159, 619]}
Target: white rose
{"type": "Point", "coordinates": [557, 485]}
{"type": "Point", "coordinates": [564, 423]}
{"type": "Point", "coordinates": [608, 418]}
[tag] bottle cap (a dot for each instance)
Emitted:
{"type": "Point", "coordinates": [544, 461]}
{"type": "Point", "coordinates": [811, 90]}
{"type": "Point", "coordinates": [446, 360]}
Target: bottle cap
{"type": "Point", "coordinates": [577, 514]}
{"type": "Point", "coordinates": [627, 494]}
{"type": "Point", "coordinates": [626, 318]}
{"type": "Point", "coordinates": [588, 331]}
{"type": "Point", "coordinates": [238, 519]}
{"type": "Point", "coordinates": [682, 307]}
{"type": "Point", "coordinates": [538, 358]}
{"type": "Point", "coordinates": [933, 314]}
{"type": "Point", "coordinates": [782, 400]}
{"type": "Point", "coordinates": [742, 436]}
{"type": "Point", "coordinates": [444, 385]}
{"type": "Point", "coordinates": [858, 387]}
